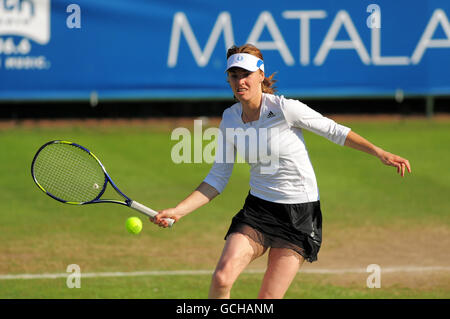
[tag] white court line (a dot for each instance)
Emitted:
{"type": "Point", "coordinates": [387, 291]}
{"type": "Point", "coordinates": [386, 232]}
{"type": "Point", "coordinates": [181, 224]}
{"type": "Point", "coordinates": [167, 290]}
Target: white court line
{"type": "Point", "coordinates": [209, 272]}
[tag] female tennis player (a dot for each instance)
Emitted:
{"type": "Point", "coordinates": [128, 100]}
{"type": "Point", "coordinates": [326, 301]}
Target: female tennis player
{"type": "Point", "coordinates": [281, 213]}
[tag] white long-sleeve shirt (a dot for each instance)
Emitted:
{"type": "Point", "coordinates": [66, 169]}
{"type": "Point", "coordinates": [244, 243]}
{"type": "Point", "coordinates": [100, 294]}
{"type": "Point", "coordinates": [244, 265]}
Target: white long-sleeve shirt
{"type": "Point", "coordinates": [274, 147]}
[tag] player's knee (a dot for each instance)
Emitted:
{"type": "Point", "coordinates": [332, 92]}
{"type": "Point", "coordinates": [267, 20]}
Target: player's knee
{"type": "Point", "coordinates": [222, 279]}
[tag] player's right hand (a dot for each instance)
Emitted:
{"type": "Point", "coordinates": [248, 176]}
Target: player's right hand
{"type": "Point", "coordinates": [163, 214]}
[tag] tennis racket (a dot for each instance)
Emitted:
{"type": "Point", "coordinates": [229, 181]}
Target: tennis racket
{"type": "Point", "coordinates": [72, 174]}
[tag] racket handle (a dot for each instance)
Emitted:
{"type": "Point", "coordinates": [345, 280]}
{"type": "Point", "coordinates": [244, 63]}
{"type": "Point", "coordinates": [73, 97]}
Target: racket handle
{"type": "Point", "coordinates": [148, 211]}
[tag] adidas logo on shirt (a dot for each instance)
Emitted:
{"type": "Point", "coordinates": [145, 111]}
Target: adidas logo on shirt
{"type": "Point", "coordinates": [270, 115]}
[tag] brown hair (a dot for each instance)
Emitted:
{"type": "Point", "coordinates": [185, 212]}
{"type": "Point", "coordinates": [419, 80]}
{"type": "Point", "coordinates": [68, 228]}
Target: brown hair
{"type": "Point", "coordinates": [267, 85]}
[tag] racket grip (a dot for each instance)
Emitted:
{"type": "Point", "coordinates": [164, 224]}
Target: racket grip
{"type": "Point", "coordinates": [148, 211]}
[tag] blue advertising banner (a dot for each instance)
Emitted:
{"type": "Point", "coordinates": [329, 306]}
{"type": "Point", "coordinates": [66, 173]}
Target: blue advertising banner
{"type": "Point", "coordinates": [150, 49]}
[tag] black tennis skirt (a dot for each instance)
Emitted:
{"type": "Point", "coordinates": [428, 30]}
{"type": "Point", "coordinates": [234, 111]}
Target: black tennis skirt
{"type": "Point", "coordinates": [292, 226]}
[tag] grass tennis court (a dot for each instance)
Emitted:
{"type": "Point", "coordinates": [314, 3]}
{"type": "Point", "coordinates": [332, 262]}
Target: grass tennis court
{"type": "Point", "coordinates": [371, 216]}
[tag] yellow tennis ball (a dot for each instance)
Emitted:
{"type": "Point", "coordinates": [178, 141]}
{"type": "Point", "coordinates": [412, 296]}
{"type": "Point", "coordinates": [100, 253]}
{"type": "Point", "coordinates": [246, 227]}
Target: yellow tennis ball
{"type": "Point", "coordinates": [134, 225]}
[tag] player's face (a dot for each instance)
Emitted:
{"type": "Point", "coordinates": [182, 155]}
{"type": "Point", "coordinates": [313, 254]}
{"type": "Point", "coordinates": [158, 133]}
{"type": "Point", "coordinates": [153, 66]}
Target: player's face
{"type": "Point", "coordinates": [246, 85]}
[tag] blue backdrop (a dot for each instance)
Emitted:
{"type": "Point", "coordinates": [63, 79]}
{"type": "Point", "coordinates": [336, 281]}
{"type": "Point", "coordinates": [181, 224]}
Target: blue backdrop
{"type": "Point", "coordinates": [134, 49]}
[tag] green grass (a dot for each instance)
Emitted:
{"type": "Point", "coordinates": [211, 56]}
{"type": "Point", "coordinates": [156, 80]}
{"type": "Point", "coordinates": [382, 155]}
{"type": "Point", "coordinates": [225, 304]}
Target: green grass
{"type": "Point", "coordinates": [40, 235]}
{"type": "Point", "coordinates": [196, 287]}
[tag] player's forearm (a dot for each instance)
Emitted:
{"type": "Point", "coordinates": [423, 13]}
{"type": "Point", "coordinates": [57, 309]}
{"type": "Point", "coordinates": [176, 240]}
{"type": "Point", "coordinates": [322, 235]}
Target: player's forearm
{"type": "Point", "coordinates": [358, 142]}
{"type": "Point", "coordinates": [202, 195]}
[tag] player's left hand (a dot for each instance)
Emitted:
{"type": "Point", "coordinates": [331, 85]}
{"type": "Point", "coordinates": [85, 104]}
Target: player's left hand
{"type": "Point", "coordinates": [401, 163]}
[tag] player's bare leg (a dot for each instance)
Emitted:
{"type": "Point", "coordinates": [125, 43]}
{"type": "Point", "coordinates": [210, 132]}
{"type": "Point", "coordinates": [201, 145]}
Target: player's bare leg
{"type": "Point", "coordinates": [283, 265]}
{"type": "Point", "coordinates": [238, 252]}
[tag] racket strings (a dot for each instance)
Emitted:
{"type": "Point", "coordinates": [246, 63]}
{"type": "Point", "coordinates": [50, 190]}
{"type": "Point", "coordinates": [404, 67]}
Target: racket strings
{"type": "Point", "coordinates": [69, 173]}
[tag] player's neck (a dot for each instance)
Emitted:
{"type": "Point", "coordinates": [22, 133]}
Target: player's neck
{"type": "Point", "coordinates": [251, 109]}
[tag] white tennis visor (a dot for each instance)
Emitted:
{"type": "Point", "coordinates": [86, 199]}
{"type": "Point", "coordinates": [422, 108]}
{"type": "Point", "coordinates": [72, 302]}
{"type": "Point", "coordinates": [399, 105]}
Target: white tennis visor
{"type": "Point", "coordinates": [246, 61]}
